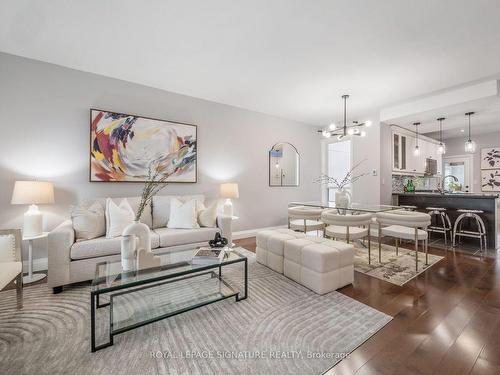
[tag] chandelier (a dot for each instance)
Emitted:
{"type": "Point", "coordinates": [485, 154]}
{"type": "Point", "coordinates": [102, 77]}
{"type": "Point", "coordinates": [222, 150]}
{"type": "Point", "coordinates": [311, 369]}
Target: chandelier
{"type": "Point", "coordinates": [345, 130]}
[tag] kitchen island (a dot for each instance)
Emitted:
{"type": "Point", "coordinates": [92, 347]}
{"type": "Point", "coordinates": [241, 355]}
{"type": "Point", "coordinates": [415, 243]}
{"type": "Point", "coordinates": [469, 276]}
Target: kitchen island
{"type": "Point", "coordinates": [454, 201]}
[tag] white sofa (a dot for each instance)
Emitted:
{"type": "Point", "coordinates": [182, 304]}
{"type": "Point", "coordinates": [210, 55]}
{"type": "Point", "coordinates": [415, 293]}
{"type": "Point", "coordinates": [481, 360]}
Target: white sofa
{"type": "Point", "coordinates": [71, 261]}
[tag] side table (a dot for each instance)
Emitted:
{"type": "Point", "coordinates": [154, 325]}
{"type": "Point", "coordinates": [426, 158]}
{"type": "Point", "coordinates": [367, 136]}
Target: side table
{"type": "Point", "coordinates": [31, 277]}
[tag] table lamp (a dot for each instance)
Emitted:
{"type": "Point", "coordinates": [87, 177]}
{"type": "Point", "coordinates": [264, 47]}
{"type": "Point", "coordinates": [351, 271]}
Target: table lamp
{"type": "Point", "coordinates": [33, 193]}
{"type": "Point", "coordinates": [228, 190]}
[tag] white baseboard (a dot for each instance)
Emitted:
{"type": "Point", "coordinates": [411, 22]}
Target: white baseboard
{"type": "Point", "coordinates": [253, 232]}
{"type": "Point", "coordinates": [39, 264]}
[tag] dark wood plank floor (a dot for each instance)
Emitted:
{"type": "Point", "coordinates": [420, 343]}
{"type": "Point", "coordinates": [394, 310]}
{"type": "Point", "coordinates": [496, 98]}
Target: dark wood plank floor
{"type": "Point", "coordinates": [446, 321]}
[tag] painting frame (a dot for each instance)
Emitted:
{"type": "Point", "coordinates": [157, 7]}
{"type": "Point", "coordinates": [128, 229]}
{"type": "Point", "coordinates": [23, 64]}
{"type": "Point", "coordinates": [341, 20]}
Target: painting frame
{"type": "Point", "coordinates": [493, 157]}
{"type": "Point", "coordinates": [172, 122]}
{"type": "Point", "coordinates": [486, 174]}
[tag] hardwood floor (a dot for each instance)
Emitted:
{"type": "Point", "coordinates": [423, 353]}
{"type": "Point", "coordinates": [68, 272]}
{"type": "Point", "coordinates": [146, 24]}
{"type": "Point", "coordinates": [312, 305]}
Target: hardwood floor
{"type": "Point", "coordinates": [446, 321]}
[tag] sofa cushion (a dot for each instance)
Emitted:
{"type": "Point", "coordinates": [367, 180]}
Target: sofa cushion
{"type": "Point", "coordinates": [8, 271]}
{"type": "Point", "coordinates": [134, 202]}
{"type": "Point", "coordinates": [102, 246]}
{"type": "Point", "coordinates": [173, 237]}
{"type": "Point", "coordinates": [161, 207]}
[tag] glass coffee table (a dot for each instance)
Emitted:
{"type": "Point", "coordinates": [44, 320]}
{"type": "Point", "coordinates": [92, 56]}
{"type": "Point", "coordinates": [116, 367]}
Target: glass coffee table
{"type": "Point", "coordinates": [124, 300]}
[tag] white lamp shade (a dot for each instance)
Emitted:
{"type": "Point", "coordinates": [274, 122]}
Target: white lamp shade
{"type": "Point", "coordinates": [33, 192]}
{"type": "Point", "coordinates": [229, 190]}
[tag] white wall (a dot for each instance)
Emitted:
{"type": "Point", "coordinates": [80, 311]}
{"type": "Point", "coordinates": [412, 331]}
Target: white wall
{"type": "Point", "coordinates": [44, 118]}
{"type": "Point", "coordinates": [455, 146]}
{"type": "Point", "coordinates": [385, 164]}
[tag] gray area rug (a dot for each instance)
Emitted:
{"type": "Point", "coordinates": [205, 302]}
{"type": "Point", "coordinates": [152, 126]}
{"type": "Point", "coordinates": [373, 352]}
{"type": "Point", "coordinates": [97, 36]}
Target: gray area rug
{"type": "Point", "coordinates": [282, 328]}
{"type": "Point", "coordinates": [396, 269]}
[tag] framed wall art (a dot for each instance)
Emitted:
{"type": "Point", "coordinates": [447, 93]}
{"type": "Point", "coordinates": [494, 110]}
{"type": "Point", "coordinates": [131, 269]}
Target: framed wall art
{"type": "Point", "coordinates": [490, 180]}
{"type": "Point", "coordinates": [490, 158]}
{"type": "Point", "coordinates": [122, 148]}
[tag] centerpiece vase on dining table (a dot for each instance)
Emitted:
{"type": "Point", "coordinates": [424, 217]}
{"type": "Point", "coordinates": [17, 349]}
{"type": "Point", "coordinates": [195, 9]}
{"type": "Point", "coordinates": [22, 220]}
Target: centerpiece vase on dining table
{"type": "Point", "coordinates": [342, 198]}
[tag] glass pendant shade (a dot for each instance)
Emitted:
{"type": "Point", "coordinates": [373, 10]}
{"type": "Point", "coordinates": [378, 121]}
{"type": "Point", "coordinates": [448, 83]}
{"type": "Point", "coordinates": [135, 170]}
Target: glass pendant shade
{"type": "Point", "coordinates": [441, 149]}
{"type": "Point", "coordinates": [416, 151]}
{"type": "Point", "coordinates": [470, 147]}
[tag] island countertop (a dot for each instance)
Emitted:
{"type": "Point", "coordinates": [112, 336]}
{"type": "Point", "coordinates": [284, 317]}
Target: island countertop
{"type": "Point", "coordinates": [450, 195]}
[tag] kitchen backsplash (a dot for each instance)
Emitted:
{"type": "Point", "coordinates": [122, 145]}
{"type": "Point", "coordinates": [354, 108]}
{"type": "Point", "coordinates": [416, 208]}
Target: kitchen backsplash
{"type": "Point", "coordinates": [421, 183]}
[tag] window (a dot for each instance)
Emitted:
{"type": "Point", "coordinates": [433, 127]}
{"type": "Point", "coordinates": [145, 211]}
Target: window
{"type": "Point", "coordinates": [338, 164]}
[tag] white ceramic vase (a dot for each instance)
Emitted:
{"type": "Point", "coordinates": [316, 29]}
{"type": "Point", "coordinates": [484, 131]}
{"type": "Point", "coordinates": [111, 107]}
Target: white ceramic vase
{"type": "Point", "coordinates": [143, 234]}
{"type": "Point", "coordinates": [144, 258]}
{"type": "Point", "coordinates": [342, 198]}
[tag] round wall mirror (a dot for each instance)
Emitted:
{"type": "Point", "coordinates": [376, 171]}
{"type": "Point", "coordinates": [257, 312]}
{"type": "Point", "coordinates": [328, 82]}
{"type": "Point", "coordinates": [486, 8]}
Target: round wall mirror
{"type": "Point", "coordinates": [283, 165]}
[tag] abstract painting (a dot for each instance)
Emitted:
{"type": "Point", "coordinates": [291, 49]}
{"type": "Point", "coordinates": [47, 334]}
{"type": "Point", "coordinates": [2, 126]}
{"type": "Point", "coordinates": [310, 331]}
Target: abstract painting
{"type": "Point", "coordinates": [490, 158]}
{"type": "Point", "coordinates": [490, 180]}
{"type": "Point", "coordinates": [123, 147]}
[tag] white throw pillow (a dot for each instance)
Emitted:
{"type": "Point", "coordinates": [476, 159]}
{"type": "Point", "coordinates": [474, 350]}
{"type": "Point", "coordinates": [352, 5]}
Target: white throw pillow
{"type": "Point", "coordinates": [182, 215]}
{"type": "Point", "coordinates": [7, 248]}
{"type": "Point", "coordinates": [89, 222]}
{"type": "Point", "coordinates": [207, 217]}
{"type": "Point", "coordinates": [118, 217]}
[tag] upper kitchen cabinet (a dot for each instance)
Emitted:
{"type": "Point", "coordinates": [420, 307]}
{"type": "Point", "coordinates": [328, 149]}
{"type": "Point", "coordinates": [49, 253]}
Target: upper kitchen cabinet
{"type": "Point", "coordinates": [404, 161]}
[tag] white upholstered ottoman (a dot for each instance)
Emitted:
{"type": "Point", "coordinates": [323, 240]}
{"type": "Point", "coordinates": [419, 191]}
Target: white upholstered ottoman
{"type": "Point", "coordinates": [271, 245]}
{"type": "Point", "coordinates": [319, 264]}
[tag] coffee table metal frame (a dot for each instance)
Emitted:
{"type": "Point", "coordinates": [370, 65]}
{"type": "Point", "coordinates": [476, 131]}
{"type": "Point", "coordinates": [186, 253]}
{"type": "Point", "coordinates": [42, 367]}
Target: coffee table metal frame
{"type": "Point", "coordinates": [156, 281]}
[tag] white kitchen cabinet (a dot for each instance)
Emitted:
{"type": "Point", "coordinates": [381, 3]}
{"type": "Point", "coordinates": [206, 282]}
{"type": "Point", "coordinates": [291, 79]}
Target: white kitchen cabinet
{"type": "Point", "coordinates": [404, 161]}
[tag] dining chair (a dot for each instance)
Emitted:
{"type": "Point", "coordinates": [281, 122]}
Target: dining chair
{"type": "Point", "coordinates": [404, 225]}
{"type": "Point", "coordinates": [304, 218]}
{"type": "Point", "coordinates": [347, 227]}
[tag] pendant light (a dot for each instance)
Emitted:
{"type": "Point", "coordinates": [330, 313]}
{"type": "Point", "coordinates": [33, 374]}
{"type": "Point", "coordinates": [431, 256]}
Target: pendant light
{"type": "Point", "coordinates": [470, 145]}
{"type": "Point", "coordinates": [442, 147]}
{"type": "Point", "coordinates": [416, 151]}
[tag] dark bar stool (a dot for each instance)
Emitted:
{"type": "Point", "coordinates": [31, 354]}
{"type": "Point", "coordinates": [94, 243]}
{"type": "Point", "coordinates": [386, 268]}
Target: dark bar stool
{"type": "Point", "coordinates": [440, 214]}
{"type": "Point", "coordinates": [481, 229]}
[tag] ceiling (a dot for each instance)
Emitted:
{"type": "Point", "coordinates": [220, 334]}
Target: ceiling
{"type": "Point", "coordinates": [289, 58]}
{"type": "Point", "coordinates": [486, 119]}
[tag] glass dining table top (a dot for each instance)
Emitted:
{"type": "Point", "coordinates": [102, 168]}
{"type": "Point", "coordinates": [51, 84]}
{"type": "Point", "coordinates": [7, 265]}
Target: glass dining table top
{"type": "Point", "coordinates": [359, 207]}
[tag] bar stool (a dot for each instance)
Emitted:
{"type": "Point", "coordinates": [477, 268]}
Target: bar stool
{"type": "Point", "coordinates": [440, 213]}
{"type": "Point", "coordinates": [408, 208]}
{"type": "Point", "coordinates": [303, 219]}
{"type": "Point", "coordinates": [481, 229]}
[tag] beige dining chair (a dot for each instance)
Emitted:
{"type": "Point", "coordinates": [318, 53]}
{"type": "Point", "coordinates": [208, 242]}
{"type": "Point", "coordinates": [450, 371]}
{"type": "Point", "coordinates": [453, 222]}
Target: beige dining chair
{"type": "Point", "coordinates": [404, 225]}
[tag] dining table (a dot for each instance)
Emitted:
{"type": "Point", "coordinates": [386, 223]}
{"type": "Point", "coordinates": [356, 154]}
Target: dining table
{"type": "Point", "coordinates": [353, 207]}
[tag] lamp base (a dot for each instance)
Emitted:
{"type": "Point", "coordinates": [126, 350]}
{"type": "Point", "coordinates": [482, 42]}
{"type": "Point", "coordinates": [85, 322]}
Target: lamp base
{"type": "Point", "coordinates": [227, 209]}
{"type": "Point", "coordinates": [33, 222]}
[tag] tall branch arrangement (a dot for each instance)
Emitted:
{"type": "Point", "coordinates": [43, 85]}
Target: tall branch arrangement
{"type": "Point", "coordinates": [156, 181]}
{"type": "Point", "coordinates": [348, 179]}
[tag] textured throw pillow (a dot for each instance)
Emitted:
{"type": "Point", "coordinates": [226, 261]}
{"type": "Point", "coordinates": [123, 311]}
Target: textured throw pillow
{"type": "Point", "coordinates": [89, 222]}
{"type": "Point", "coordinates": [7, 248]}
{"type": "Point", "coordinates": [182, 215]}
{"type": "Point", "coordinates": [118, 217]}
{"type": "Point", "coordinates": [207, 216]}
